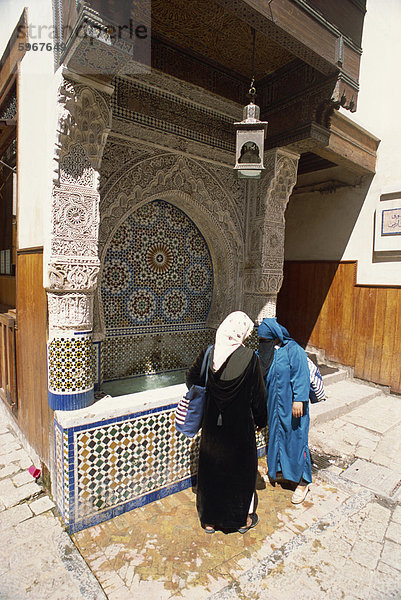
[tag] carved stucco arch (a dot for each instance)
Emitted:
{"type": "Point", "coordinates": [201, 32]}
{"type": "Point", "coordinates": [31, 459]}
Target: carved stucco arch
{"type": "Point", "coordinates": [84, 120]}
{"type": "Point", "coordinates": [170, 172]}
{"type": "Point", "coordinates": [221, 230]}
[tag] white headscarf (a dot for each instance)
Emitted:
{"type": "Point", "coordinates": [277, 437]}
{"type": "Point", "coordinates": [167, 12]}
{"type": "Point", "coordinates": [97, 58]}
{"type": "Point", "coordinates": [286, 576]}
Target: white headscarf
{"type": "Point", "coordinates": [230, 335]}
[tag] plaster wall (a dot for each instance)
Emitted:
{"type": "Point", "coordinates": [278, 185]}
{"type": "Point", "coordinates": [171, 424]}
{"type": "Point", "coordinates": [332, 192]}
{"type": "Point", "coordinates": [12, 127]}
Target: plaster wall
{"type": "Point", "coordinates": [340, 226]}
{"type": "Point", "coordinates": [319, 225]}
{"type": "Point", "coordinates": [37, 119]}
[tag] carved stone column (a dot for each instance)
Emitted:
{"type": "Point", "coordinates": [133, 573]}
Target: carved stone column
{"type": "Point", "coordinates": [72, 250]}
{"type": "Point", "coordinates": [266, 203]}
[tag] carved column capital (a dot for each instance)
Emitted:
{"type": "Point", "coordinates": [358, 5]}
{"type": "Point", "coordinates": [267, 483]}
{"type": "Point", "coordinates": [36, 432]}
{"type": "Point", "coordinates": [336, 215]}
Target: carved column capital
{"type": "Point", "coordinates": [70, 311]}
{"type": "Point", "coordinates": [266, 204]}
{"type": "Point", "coordinates": [72, 248]}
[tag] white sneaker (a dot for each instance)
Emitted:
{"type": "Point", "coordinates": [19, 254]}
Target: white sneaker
{"type": "Point", "coordinates": [300, 494]}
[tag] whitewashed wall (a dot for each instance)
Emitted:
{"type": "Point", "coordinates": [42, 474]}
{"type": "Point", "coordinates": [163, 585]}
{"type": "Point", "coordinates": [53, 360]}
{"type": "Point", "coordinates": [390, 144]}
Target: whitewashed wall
{"type": "Point", "coordinates": [37, 118]}
{"type": "Point", "coordinates": [340, 226]}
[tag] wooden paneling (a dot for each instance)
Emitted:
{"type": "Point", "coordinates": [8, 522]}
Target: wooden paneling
{"type": "Point", "coordinates": [7, 291]}
{"type": "Point", "coordinates": [356, 325]}
{"type": "Point", "coordinates": [8, 382]}
{"type": "Point", "coordinates": [33, 410]}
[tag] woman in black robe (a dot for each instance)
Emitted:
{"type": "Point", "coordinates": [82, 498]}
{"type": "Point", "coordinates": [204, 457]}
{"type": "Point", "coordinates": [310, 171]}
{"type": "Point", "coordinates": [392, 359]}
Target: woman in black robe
{"type": "Point", "coordinates": [235, 404]}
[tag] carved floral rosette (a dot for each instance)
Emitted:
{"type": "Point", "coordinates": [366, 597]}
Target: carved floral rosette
{"type": "Point", "coordinates": [209, 194]}
{"type": "Point", "coordinates": [72, 249]}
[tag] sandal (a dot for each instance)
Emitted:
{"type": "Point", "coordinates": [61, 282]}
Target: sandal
{"type": "Point", "coordinates": [210, 530]}
{"type": "Point", "coordinates": [254, 522]}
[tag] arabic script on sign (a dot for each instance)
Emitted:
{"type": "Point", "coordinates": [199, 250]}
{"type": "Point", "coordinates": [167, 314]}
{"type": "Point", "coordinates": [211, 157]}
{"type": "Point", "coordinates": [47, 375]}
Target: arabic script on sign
{"type": "Point", "coordinates": [391, 221]}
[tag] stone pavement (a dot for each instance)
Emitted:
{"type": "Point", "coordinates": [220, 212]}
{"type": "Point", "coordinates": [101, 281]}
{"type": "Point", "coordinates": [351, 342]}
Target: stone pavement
{"type": "Point", "coordinates": [343, 542]}
{"type": "Point", "coordinates": [38, 561]}
{"type": "Point", "coordinates": [367, 437]}
{"type": "Point", "coordinates": [160, 551]}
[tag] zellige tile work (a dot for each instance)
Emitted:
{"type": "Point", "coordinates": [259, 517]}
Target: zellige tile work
{"type": "Point", "coordinates": [107, 467]}
{"type": "Point", "coordinates": [70, 370]}
{"type": "Point", "coordinates": [157, 283]}
{"type": "Point", "coordinates": [121, 461]}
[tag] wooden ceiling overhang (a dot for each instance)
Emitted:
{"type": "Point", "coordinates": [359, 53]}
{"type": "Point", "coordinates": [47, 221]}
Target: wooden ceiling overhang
{"type": "Point", "coordinates": [350, 146]}
{"type": "Point", "coordinates": [306, 66]}
{"type": "Point", "coordinates": [9, 62]}
{"type": "Point", "coordinates": [12, 56]}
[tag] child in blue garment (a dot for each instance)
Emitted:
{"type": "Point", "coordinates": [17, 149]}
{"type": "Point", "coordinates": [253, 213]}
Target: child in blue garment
{"type": "Point", "coordinates": [286, 372]}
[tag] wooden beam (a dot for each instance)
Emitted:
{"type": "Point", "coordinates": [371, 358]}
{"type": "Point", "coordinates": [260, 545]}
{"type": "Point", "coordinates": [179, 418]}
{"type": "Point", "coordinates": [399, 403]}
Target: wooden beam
{"type": "Point", "coordinates": [350, 145]}
{"type": "Point", "coordinates": [12, 55]}
{"type": "Point", "coordinates": [7, 133]}
{"type": "Point", "coordinates": [304, 33]}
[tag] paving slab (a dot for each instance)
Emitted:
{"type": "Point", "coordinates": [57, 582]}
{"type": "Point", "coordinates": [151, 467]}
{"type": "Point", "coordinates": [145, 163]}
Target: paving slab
{"type": "Point", "coordinates": [378, 414]}
{"type": "Point", "coordinates": [8, 470]}
{"type": "Point", "coordinates": [396, 516]}
{"type": "Point", "coordinates": [378, 479]}
{"type": "Point", "coordinates": [39, 562]}
{"type": "Point", "coordinates": [11, 497]}
{"type": "Point", "coordinates": [397, 495]}
{"type": "Point", "coordinates": [22, 478]}
{"type": "Point", "coordinates": [389, 443]}
{"type": "Point", "coordinates": [391, 554]}
{"type": "Point", "coordinates": [342, 397]}
{"type": "Point", "coordinates": [394, 532]}
{"type": "Point", "coordinates": [41, 505]}
{"type": "Point", "coordinates": [13, 516]}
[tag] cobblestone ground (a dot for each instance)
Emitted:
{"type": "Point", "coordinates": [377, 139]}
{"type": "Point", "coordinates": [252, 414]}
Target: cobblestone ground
{"type": "Point", "coordinates": [353, 553]}
{"type": "Point", "coordinates": [160, 551]}
{"type": "Point", "coordinates": [38, 561]}
{"type": "Point", "coordinates": [342, 543]}
{"type": "Point", "coordinates": [370, 432]}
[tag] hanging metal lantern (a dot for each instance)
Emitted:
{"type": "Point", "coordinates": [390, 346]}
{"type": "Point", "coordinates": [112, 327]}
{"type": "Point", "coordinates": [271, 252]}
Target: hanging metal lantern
{"type": "Point", "coordinates": [250, 133]}
{"type": "Point", "coordinates": [250, 143]}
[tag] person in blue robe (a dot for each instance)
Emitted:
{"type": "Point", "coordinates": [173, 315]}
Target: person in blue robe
{"type": "Point", "coordinates": [285, 369]}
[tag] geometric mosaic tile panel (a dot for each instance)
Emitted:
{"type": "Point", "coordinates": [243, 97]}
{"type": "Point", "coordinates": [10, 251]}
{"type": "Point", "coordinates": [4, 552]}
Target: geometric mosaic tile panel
{"type": "Point", "coordinates": [70, 362]}
{"type": "Point", "coordinates": [127, 355]}
{"type": "Point", "coordinates": [62, 475]}
{"type": "Point", "coordinates": [157, 270]}
{"type": "Point", "coordinates": [156, 283]}
{"type": "Point", "coordinates": [59, 481]}
{"type": "Point", "coordinates": [108, 467]}
{"type": "Point", "coordinates": [120, 461]}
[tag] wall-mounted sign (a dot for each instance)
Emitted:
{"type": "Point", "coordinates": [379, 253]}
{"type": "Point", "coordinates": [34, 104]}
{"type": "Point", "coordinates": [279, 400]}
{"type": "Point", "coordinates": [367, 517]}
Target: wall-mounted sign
{"type": "Point", "coordinates": [391, 221]}
{"type": "Point", "coordinates": [388, 225]}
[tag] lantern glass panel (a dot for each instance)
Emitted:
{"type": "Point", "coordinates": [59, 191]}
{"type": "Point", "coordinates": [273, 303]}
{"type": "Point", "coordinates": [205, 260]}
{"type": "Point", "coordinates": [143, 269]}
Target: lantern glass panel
{"type": "Point", "coordinates": [250, 153]}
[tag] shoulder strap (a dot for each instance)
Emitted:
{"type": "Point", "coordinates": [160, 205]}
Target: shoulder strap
{"type": "Point", "coordinates": [206, 359]}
